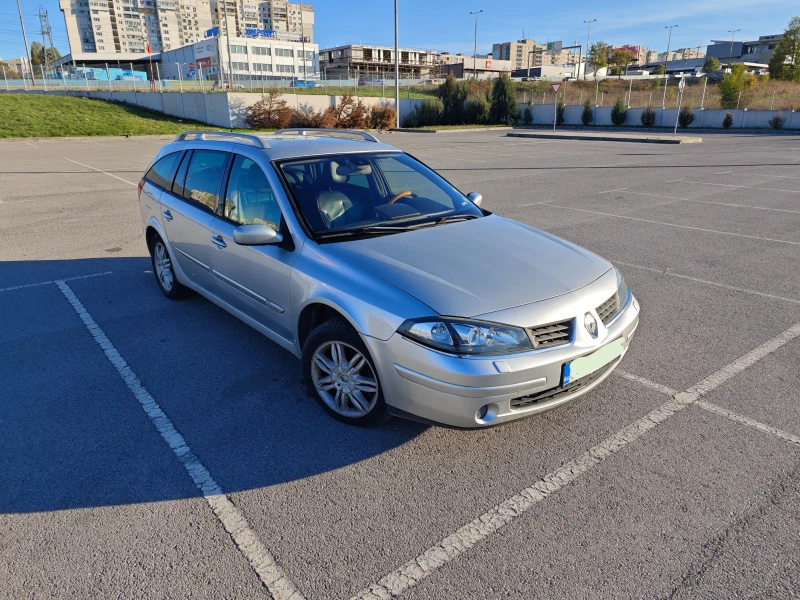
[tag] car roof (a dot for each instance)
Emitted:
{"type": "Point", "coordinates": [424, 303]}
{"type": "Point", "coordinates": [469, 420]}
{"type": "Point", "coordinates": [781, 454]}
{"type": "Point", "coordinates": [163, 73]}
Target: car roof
{"type": "Point", "coordinates": [285, 146]}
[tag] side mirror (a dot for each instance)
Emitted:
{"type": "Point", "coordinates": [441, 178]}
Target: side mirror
{"type": "Point", "coordinates": [256, 235]}
{"type": "Point", "coordinates": [475, 197]}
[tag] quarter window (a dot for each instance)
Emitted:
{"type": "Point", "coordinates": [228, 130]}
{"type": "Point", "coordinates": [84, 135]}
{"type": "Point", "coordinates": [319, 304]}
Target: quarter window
{"type": "Point", "coordinates": [249, 198]}
{"type": "Point", "coordinates": [159, 172]}
{"type": "Point", "coordinates": [203, 177]}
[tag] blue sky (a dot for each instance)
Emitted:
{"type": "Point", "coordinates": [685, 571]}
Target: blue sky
{"type": "Point", "coordinates": [447, 24]}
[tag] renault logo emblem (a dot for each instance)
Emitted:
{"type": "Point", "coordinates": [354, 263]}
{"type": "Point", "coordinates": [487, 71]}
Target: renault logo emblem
{"type": "Point", "coordinates": [591, 324]}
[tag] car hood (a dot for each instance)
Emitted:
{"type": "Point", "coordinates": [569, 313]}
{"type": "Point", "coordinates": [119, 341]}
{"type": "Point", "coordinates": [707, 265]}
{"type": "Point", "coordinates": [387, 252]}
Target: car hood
{"type": "Point", "coordinates": [475, 267]}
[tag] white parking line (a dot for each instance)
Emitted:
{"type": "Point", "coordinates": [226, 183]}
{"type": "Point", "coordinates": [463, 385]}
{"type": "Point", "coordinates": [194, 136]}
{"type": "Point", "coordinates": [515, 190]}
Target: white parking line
{"type": "Point", "coordinates": [234, 521]}
{"type": "Point", "coordinates": [646, 382]}
{"type": "Point", "coordinates": [707, 282]}
{"type": "Point", "coordinates": [100, 171]}
{"type": "Point", "coordinates": [411, 573]}
{"type": "Point", "coordinates": [745, 187]}
{"type": "Point", "coordinates": [729, 414]}
{"type": "Point", "coordinates": [758, 174]}
{"type": "Point", "coordinates": [30, 285]}
{"type": "Point", "coordinates": [31, 145]}
{"type": "Point", "coordinates": [706, 201]}
{"type": "Point", "coordinates": [752, 237]}
{"type": "Point", "coordinates": [610, 191]}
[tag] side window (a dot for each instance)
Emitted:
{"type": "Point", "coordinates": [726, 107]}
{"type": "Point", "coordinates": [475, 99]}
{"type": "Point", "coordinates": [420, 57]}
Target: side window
{"type": "Point", "coordinates": [180, 174]}
{"type": "Point", "coordinates": [249, 198]}
{"type": "Point", "coordinates": [159, 172]}
{"type": "Point", "coordinates": [203, 177]}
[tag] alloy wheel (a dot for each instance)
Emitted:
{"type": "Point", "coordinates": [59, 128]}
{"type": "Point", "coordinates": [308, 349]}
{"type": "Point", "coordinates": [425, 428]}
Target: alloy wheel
{"type": "Point", "coordinates": [344, 379]}
{"type": "Point", "coordinates": [163, 266]}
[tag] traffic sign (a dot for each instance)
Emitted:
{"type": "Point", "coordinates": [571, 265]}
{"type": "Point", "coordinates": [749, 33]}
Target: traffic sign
{"type": "Point", "coordinates": [192, 73]}
{"type": "Point", "coordinates": [555, 87]}
{"type": "Point", "coordinates": [191, 66]}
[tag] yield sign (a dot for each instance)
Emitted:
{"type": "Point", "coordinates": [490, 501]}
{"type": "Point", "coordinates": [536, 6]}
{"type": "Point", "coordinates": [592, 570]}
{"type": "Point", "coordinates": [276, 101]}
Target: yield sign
{"type": "Point", "coordinates": [555, 87]}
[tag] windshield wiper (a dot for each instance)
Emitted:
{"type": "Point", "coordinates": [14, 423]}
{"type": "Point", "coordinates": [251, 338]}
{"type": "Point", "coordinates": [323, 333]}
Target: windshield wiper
{"type": "Point", "coordinates": [454, 218]}
{"type": "Point", "coordinates": [380, 229]}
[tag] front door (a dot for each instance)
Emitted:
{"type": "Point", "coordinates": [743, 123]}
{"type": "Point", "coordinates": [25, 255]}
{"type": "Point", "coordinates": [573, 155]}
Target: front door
{"type": "Point", "coordinates": [187, 210]}
{"type": "Point", "coordinates": [253, 279]}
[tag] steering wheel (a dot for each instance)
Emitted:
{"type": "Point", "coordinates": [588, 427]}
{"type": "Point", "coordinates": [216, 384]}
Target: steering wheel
{"type": "Point", "coordinates": [402, 194]}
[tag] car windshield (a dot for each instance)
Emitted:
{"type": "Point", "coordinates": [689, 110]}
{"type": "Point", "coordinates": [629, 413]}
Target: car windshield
{"type": "Point", "coordinates": [379, 191]}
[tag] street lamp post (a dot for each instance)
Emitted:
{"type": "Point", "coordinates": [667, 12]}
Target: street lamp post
{"type": "Point", "coordinates": [666, 60]}
{"type": "Point", "coordinates": [396, 70]}
{"type": "Point", "coordinates": [180, 79]}
{"type": "Point", "coordinates": [475, 45]}
{"type": "Point", "coordinates": [730, 52]}
{"type": "Point", "coordinates": [588, 34]}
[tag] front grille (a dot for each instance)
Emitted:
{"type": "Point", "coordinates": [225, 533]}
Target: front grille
{"type": "Point", "coordinates": [558, 392]}
{"type": "Point", "coordinates": [608, 309]}
{"type": "Point", "coordinates": [555, 334]}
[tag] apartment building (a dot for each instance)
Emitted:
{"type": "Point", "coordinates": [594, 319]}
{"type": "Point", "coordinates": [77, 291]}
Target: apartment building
{"type": "Point", "coordinates": [124, 30]}
{"type": "Point", "coordinates": [519, 53]}
{"type": "Point", "coordinates": [364, 60]}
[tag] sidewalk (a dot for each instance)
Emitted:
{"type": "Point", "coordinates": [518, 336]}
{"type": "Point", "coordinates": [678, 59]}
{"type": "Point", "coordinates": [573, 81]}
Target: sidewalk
{"type": "Point", "coordinates": [641, 138]}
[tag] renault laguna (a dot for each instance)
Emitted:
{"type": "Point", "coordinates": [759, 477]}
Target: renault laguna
{"type": "Point", "coordinates": [400, 294]}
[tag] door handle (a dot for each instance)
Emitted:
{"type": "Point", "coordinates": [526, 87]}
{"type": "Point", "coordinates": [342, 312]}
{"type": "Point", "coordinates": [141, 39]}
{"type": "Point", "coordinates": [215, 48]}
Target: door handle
{"type": "Point", "coordinates": [167, 215]}
{"type": "Point", "coordinates": [219, 241]}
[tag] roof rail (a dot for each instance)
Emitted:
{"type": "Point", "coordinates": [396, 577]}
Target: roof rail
{"type": "Point", "coordinates": [327, 132]}
{"type": "Point", "coordinates": [202, 135]}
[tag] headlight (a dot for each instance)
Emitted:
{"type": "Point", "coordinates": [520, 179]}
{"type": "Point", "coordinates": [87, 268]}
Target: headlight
{"type": "Point", "coordinates": [622, 289]}
{"type": "Point", "coordinates": [467, 337]}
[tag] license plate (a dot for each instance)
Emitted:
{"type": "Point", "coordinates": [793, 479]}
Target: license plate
{"type": "Point", "coordinates": [586, 365]}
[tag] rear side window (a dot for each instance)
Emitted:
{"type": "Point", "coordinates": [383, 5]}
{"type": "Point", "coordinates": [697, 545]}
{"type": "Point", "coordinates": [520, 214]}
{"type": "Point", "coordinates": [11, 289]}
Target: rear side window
{"type": "Point", "coordinates": [159, 172]}
{"type": "Point", "coordinates": [203, 177]}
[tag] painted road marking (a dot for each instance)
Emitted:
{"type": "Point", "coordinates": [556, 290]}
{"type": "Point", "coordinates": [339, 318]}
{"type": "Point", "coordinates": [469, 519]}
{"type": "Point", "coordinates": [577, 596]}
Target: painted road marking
{"type": "Point", "coordinates": [745, 187]}
{"type": "Point", "coordinates": [233, 519]}
{"type": "Point", "coordinates": [646, 382]}
{"type": "Point", "coordinates": [422, 566]}
{"type": "Point", "coordinates": [100, 171]}
{"type": "Point", "coordinates": [752, 237]}
{"type": "Point", "coordinates": [729, 414]}
{"type": "Point", "coordinates": [610, 191]}
{"type": "Point", "coordinates": [759, 174]}
{"type": "Point", "coordinates": [30, 285]}
{"type": "Point", "coordinates": [714, 283]}
{"type": "Point", "coordinates": [706, 201]}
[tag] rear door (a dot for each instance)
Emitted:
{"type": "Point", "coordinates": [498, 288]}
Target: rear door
{"type": "Point", "coordinates": [253, 279]}
{"type": "Point", "coordinates": [187, 210]}
{"type": "Point", "coordinates": [157, 178]}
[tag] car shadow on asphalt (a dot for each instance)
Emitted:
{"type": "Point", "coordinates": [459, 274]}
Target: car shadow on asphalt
{"type": "Point", "coordinates": [72, 435]}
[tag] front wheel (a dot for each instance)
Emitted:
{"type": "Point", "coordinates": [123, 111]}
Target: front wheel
{"type": "Point", "coordinates": [164, 271]}
{"type": "Point", "coordinates": [341, 376]}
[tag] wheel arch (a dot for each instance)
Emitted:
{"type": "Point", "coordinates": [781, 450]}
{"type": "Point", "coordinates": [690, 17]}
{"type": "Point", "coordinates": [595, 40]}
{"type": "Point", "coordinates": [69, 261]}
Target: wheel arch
{"type": "Point", "coordinates": [315, 313]}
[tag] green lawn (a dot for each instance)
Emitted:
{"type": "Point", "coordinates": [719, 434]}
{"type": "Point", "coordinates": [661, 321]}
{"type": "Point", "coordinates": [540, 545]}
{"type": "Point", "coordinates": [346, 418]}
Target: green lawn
{"type": "Point", "coordinates": [29, 115]}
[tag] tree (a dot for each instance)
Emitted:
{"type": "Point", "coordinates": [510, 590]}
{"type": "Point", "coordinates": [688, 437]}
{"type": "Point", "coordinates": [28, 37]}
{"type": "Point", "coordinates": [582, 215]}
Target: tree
{"type": "Point", "coordinates": [271, 112]}
{"type": "Point", "coordinates": [711, 65]}
{"type": "Point", "coordinates": [785, 61]}
{"type": "Point", "coordinates": [659, 70]}
{"type": "Point", "coordinates": [38, 54]}
{"type": "Point", "coordinates": [598, 56]}
{"type": "Point", "coordinates": [733, 84]}
{"type": "Point", "coordinates": [621, 58]}
{"type": "Point", "coordinates": [619, 113]}
{"type": "Point", "coordinates": [504, 101]}
{"type": "Point", "coordinates": [453, 94]}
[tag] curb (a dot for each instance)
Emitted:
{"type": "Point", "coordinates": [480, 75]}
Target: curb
{"type": "Point", "coordinates": [455, 130]}
{"type": "Point", "coordinates": [609, 138]}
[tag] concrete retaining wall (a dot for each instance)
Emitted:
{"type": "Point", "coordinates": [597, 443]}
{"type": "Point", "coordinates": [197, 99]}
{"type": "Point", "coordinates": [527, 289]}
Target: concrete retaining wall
{"type": "Point", "coordinates": [706, 119]}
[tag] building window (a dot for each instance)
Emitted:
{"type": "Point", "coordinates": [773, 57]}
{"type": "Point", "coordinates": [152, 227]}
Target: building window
{"type": "Point", "coordinates": [261, 67]}
{"type": "Point", "coordinates": [239, 66]}
{"type": "Point", "coordinates": [284, 52]}
{"type": "Point", "coordinates": [261, 51]}
{"type": "Point", "coordinates": [284, 68]}
{"type": "Point", "coordinates": [238, 49]}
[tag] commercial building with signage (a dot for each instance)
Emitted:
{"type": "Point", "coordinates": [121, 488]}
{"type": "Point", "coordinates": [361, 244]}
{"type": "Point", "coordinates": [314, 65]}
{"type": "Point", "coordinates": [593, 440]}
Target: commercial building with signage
{"type": "Point", "coordinates": [482, 67]}
{"type": "Point", "coordinates": [265, 55]}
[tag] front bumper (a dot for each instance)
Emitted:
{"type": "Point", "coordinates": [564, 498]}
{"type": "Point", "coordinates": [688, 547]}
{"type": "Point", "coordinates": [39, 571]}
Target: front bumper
{"type": "Point", "coordinates": [433, 386]}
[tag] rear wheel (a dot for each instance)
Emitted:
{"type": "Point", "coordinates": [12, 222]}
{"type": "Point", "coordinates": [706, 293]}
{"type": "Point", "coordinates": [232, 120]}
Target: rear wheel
{"type": "Point", "coordinates": [164, 271]}
{"type": "Point", "coordinates": [341, 376]}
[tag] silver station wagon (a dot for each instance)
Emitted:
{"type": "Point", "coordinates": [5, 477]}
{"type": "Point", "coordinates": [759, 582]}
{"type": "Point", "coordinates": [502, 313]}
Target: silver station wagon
{"type": "Point", "coordinates": [400, 294]}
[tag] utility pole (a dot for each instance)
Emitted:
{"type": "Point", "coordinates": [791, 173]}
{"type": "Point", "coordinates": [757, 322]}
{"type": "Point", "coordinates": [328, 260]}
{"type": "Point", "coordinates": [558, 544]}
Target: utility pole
{"type": "Point", "coordinates": [475, 45]}
{"type": "Point", "coordinates": [666, 60]}
{"type": "Point", "coordinates": [27, 48]}
{"type": "Point", "coordinates": [730, 52]}
{"type": "Point", "coordinates": [47, 32]}
{"type": "Point", "coordinates": [228, 41]}
{"type": "Point", "coordinates": [588, 48]}
{"type": "Point", "coordinates": [396, 70]}
{"type": "Point", "coordinates": [303, 40]}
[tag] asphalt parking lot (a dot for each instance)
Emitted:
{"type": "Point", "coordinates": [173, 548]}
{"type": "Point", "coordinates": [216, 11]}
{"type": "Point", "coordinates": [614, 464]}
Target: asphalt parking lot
{"type": "Point", "coordinates": [679, 477]}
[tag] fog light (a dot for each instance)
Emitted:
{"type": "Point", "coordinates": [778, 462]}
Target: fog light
{"type": "Point", "coordinates": [482, 412]}
{"type": "Point", "coordinates": [486, 413]}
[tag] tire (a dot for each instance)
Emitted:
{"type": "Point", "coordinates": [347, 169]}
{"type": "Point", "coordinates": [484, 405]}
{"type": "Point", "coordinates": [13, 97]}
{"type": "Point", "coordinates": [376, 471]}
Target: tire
{"type": "Point", "coordinates": [347, 388]}
{"type": "Point", "coordinates": [164, 272]}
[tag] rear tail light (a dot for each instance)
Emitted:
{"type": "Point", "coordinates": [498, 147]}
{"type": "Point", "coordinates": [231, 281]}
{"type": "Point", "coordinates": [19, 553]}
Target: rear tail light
{"type": "Point", "coordinates": [141, 185]}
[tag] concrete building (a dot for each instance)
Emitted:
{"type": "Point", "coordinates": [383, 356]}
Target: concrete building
{"type": "Point", "coordinates": [521, 54]}
{"type": "Point", "coordinates": [353, 61]}
{"type": "Point", "coordinates": [481, 67]}
{"type": "Point", "coordinates": [251, 58]}
{"type": "Point", "coordinates": [130, 30]}
{"type": "Point", "coordinates": [758, 51]}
